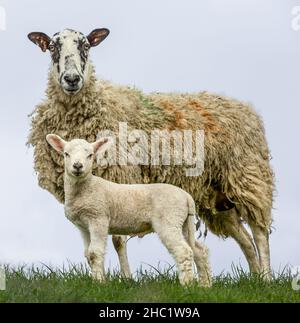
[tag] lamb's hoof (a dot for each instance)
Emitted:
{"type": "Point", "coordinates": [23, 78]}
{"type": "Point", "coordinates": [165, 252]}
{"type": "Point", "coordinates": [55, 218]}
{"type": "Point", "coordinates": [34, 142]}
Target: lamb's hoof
{"type": "Point", "coordinates": [98, 276]}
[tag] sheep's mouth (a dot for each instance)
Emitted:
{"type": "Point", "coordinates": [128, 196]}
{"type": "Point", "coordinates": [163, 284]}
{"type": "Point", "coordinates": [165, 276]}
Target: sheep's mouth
{"type": "Point", "coordinates": [72, 90]}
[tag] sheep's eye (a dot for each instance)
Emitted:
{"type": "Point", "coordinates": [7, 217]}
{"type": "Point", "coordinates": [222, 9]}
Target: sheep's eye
{"type": "Point", "coordinates": [90, 156]}
{"type": "Point", "coordinates": [52, 48]}
{"type": "Point", "coordinates": [86, 46]}
{"type": "Point", "coordinates": [67, 155]}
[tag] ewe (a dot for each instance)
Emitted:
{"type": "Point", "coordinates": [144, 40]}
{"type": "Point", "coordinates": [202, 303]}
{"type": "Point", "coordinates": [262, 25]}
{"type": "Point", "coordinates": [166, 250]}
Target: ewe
{"type": "Point", "coordinates": [237, 183]}
{"type": "Point", "coordinates": [99, 207]}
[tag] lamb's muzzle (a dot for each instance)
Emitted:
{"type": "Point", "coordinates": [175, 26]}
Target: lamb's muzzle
{"type": "Point", "coordinates": [99, 207]}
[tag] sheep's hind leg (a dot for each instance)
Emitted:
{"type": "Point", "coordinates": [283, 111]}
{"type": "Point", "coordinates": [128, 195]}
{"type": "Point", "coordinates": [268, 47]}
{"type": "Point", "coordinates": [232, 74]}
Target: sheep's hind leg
{"type": "Point", "coordinates": [233, 227]}
{"type": "Point", "coordinates": [261, 238]}
{"type": "Point", "coordinates": [174, 241]}
{"type": "Point", "coordinates": [119, 243]}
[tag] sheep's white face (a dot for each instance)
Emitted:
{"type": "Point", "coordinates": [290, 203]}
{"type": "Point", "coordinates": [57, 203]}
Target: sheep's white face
{"type": "Point", "coordinates": [78, 153]}
{"type": "Point", "coordinates": [69, 51]}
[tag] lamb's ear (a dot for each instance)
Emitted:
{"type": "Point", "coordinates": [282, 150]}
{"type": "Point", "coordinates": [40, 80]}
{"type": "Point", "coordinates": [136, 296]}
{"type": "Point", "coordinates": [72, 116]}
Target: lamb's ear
{"type": "Point", "coordinates": [40, 39]}
{"type": "Point", "coordinates": [56, 142]}
{"type": "Point", "coordinates": [97, 36]}
{"type": "Point", "coordinates": [102, 144]}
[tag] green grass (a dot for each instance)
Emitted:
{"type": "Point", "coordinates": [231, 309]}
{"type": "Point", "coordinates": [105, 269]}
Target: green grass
{"type": "Point", "coordinates": [74, 284]}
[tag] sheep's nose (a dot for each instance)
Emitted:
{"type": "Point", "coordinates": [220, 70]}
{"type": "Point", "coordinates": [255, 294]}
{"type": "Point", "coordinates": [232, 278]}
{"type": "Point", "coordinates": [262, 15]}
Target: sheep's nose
{"type": "Point", "coordinates": [72, 79]}
{"type": "Point", "coordinates": [78, 166]}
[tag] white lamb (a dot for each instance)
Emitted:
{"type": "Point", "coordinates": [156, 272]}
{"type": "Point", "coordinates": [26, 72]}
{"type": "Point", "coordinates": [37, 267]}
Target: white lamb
{"type": "Point", "coordinates": [99, 207]}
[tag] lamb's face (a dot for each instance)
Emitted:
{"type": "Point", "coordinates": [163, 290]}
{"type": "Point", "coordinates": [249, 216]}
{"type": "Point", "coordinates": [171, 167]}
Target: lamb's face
{"type": "Point", "coordinates": [78, 153]}
{"type": "Point", "coordinates": [69, 51]}
{"type": "Point", "coordinates": [78, 156]}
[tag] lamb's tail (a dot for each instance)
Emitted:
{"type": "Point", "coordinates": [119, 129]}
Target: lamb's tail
{"type": "Point", "coordinates": [191, 205]}
{"type": "Point", "coordinates": [190, 226]}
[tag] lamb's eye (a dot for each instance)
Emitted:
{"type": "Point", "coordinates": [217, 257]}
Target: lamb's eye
{"type": "Point", "coordinates": [67, 155]}
{"type": "Point", "coordinates": [52, 48]}
{"type": "Point", "coordinates": [90, 156]}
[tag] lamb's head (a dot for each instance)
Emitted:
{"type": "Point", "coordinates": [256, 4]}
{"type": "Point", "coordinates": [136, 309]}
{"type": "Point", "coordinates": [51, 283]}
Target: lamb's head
{"type": "Point", "coordinates": [69, 51]}
{"type": "Point", "coordinates": [78, 153]}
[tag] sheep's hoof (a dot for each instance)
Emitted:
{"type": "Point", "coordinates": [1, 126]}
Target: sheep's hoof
{"type": "Point", "coordinates": [205, 283]}
{"type": "Point", "coordinates": [186, 280]}
{"type": "Point", "coordinates": [266, 276]}
{"type": "Point", "coordinates": [126, 275]}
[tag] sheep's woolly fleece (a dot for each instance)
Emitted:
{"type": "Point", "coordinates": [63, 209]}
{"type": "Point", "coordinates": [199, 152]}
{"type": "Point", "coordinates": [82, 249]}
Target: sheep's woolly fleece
{"type": "Point", "coordinates": [236, 152]}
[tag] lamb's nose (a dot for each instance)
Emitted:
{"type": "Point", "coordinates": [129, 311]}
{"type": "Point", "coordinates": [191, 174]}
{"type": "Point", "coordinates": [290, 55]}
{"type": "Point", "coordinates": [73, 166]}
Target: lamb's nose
{"type": "Point", "coordinates": [77, 166]}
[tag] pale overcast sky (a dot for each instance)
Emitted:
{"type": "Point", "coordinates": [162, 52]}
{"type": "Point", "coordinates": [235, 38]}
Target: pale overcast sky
{"type": "Point", "coordinates": [244, 49]}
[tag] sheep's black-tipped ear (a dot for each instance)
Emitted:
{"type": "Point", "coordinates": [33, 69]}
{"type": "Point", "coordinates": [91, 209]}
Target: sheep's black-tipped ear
{"type": "Point", "coordinates": [40, 39]}
{"type": "Point", "coordinates": [56, 142]}
{"type": "Point", "coordinates": [102, 144]}
{"type": "Point", "coordinates": [97, 36]}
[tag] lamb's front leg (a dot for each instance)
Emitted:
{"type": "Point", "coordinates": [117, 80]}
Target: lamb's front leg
{"type": "Point", "coordinates": [98, 230]}
{"type": "Point", "coordinates": [121, 249]}
{"type": "Point", "coordinates": [86, 241]}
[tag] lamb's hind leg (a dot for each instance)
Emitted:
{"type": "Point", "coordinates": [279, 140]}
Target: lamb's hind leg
{"type": "Point", "coordinates": [201, 258]}
{"type": "Point", "coordinates": [173, 239]}
{"type": "Point", "coordinates": [119, 243]}
{"type": "Point", "coordinates": [201, 255]}
{"type": "Point", "coordinates": [86, 242]}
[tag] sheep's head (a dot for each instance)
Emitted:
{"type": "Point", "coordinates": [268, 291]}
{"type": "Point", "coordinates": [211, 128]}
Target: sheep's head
{"type": "Point", "coordinates": [78, 153]}
{"type": "Point", "coordinates": [69, 51]}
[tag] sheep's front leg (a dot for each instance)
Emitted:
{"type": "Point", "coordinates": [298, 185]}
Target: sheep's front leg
{"type": "Point", "coordinates": [98, 235]}
{"type": "Point", "coordinates": [120, 246]}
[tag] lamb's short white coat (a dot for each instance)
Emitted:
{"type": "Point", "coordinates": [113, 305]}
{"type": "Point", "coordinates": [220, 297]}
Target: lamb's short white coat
{"type": "Point", "coordinates": [99, 207]}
